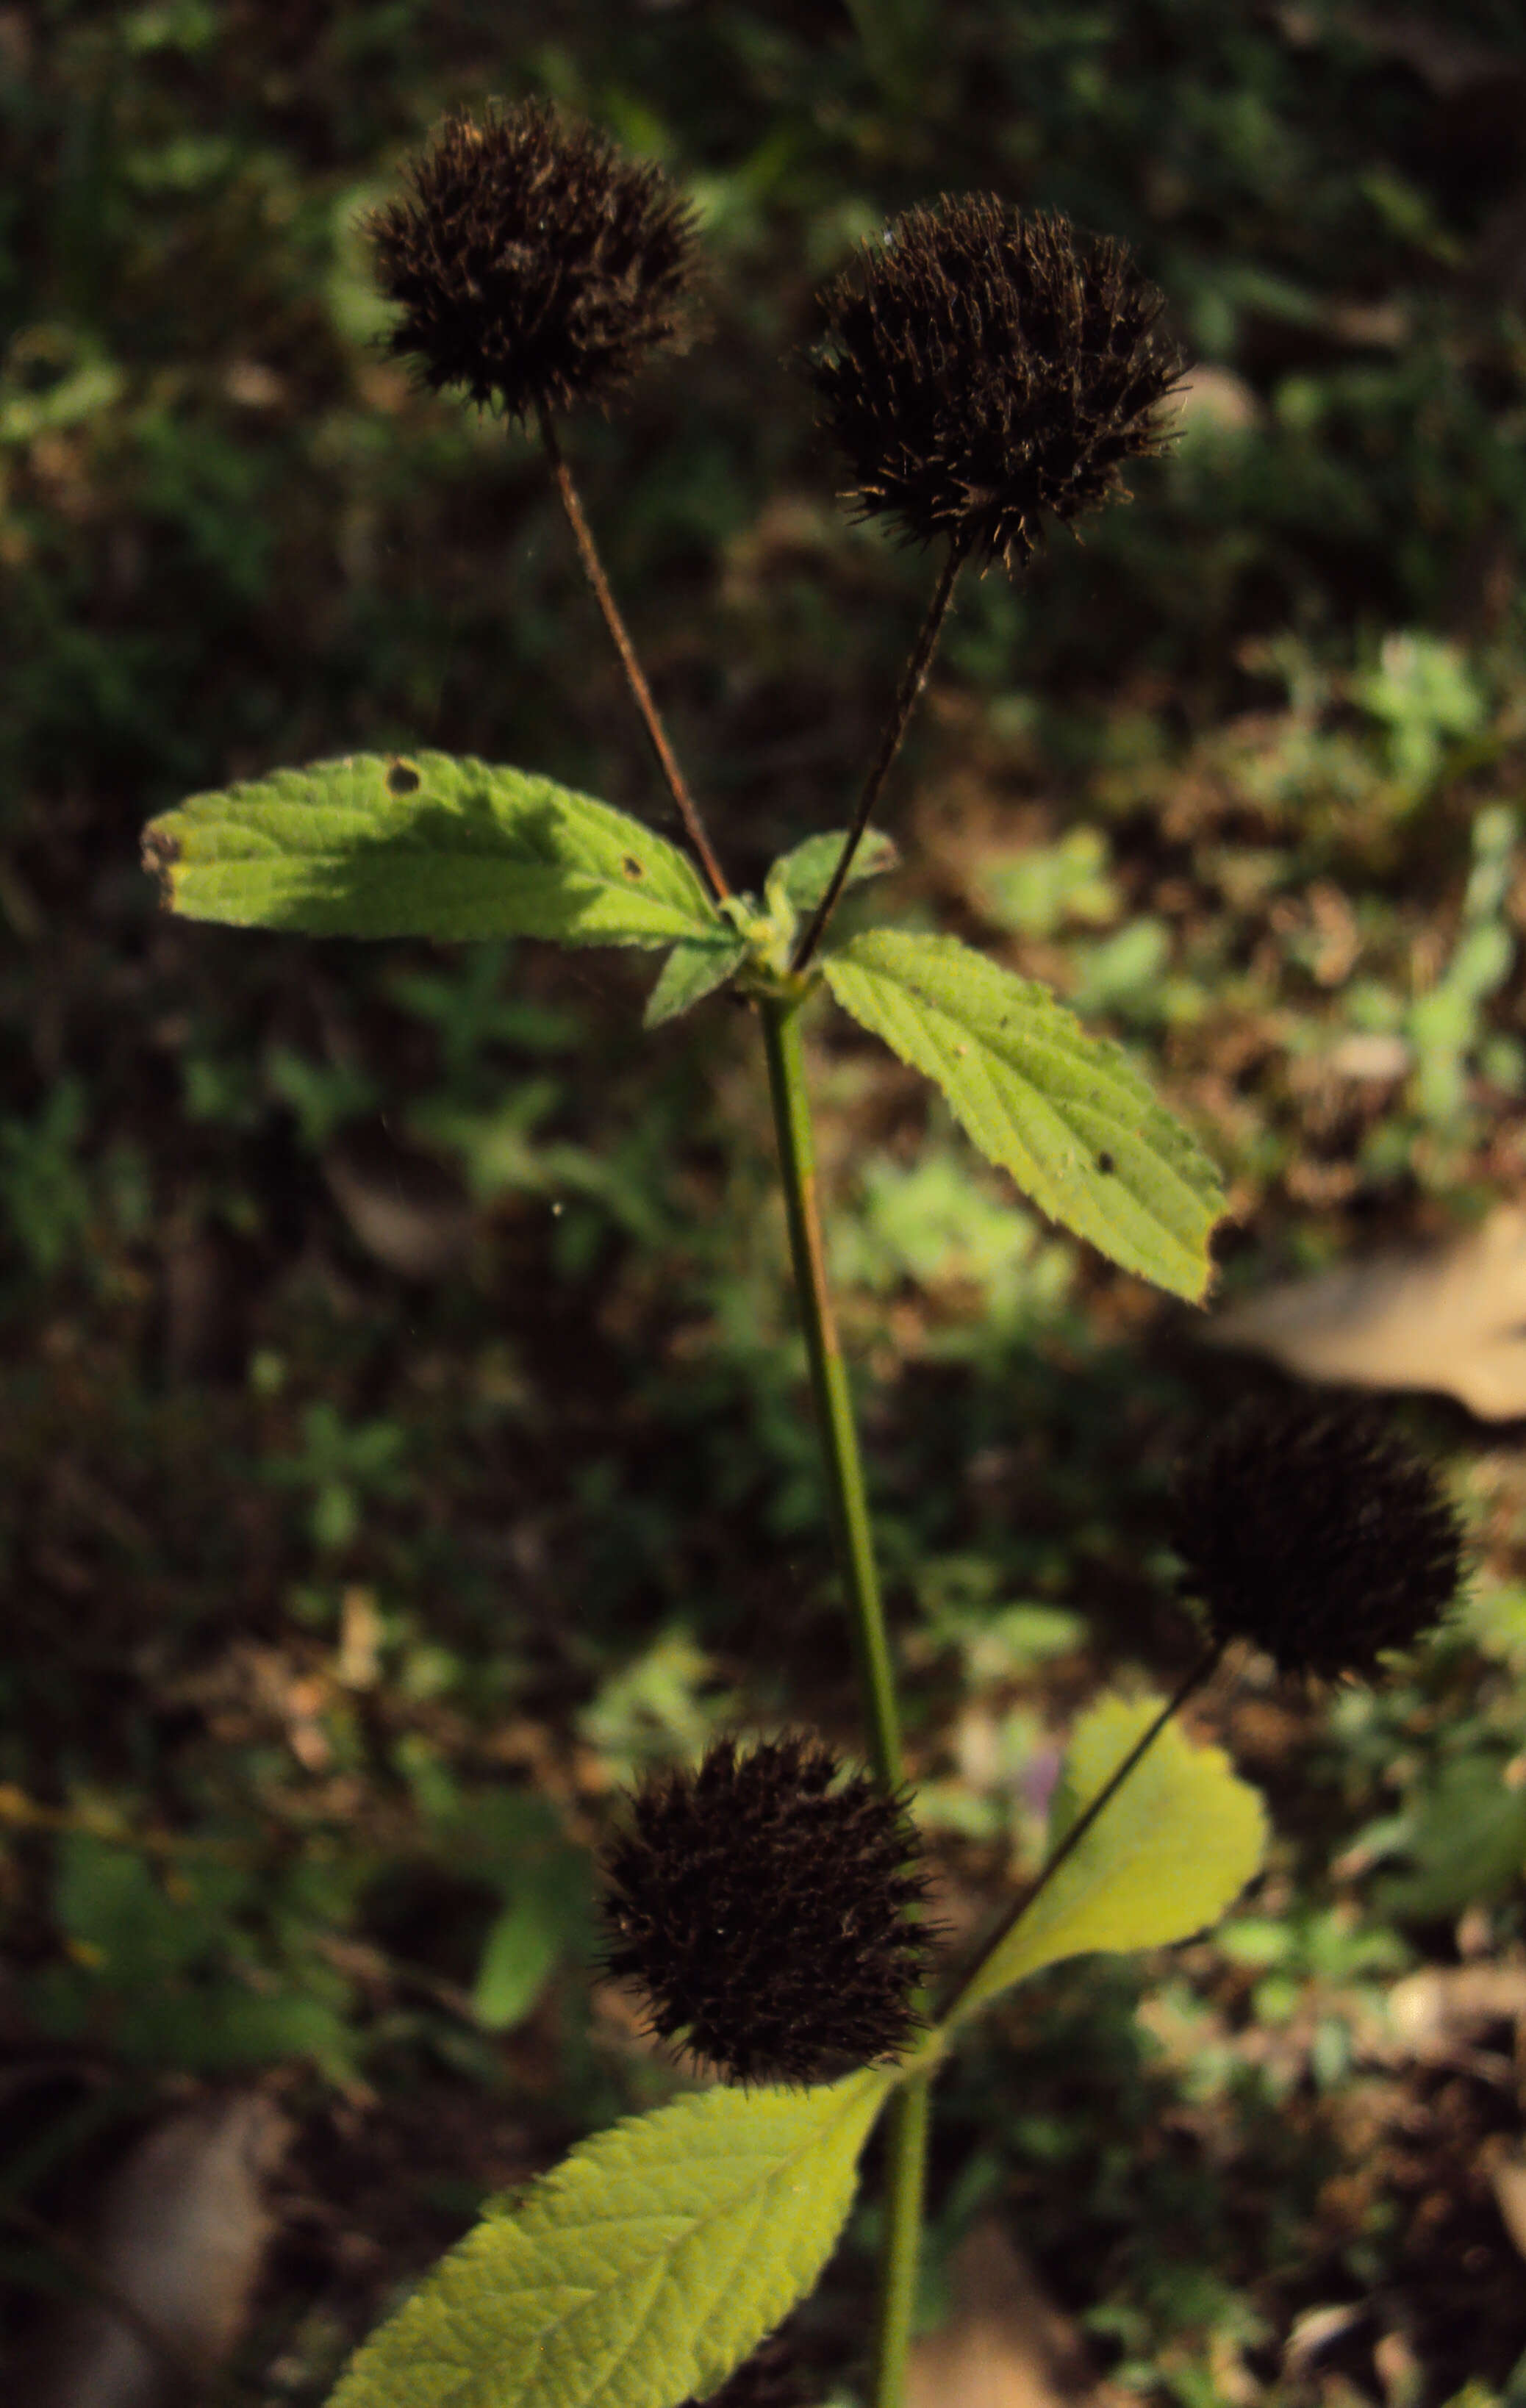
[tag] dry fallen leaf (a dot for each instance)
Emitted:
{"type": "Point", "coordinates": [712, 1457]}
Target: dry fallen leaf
{"type": "Point", "coordinates": [1438, 2015]}
{"type": "Point", "coordinates": [1509, 2181]}
{"type": "Point", "coordinates": [1452, 1319]}
{"type": "Point", "coordinates": [405, 1207]}
{"type": "Point", "coordinates": [183, 2230]}
{"type": "Point", "coordinates": [1007, 2344]}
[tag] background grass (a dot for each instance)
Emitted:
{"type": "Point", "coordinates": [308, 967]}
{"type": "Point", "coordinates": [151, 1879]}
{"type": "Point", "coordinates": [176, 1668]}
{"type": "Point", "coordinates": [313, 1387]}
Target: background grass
{"type": "Point", "coordinates": [401, 1438]}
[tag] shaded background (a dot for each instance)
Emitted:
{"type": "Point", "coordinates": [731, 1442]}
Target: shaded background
{"type": "Point", "coordinates": [401, 1438]}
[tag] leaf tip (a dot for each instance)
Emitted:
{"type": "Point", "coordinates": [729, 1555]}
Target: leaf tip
{"type": "Point", "coordinates": [161, 852]}
{"type": "Point", "coordinates": [1202, 1296]}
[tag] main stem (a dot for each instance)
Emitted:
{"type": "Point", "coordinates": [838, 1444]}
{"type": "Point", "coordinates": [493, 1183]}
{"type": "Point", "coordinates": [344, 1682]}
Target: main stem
{"type": "Point", "coordinates": [593, 569]}
{"type": "Point", "coordinates": [906, 2121]}
{"type": "Point", "coordinates": [829, 1382]}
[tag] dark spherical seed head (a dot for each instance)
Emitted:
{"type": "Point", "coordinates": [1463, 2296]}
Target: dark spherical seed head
{"type": "Point", "coordinates": [763, 1904]}
{"type": "Point", "coordinates": [534, 267]}
{"type": "Point", "coordinates": [1317, 1536]}
{"type": "Point", "coordinates": [984, 372]}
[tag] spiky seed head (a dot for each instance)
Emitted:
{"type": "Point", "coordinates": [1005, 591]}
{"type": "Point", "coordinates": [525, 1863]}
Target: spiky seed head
{"type": "Point", "coordinates": [534, 267]}
{"type": "Point", "coordinates": [763, 1904]}
{"type": "Point", "coordinates": [1317, 1535]}
{"type": "Point", "coordinates": [984, 372]}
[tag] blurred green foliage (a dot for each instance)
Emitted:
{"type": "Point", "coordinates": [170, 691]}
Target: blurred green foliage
{"type": "Point", "coordinates": [401, 1438]}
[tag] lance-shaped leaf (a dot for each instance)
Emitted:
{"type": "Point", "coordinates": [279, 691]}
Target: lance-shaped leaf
{"type": "Point", "coordinates": [692, 970]}
{"type": "Point", "coordinates": [804, 874]}
{"type": "Point", "coordinates": [430, 846]}
{"type": "Point", "coordinates": [650, 2263]}
{"type": "Point", "coordinates": [1164, 1858]}
{"type": "Point", "coordinates": [1066, 1113]}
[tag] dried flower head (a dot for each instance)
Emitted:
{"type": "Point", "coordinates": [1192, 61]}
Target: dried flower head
{"type": "Point", "coordinates": [1317, 1536]}
{"type": "Point", "coordinates": [762, 1905]}
{"type": "Point", "coordinates": [984, 371]}
{"type": "Point", "coordinates": [534, 267]}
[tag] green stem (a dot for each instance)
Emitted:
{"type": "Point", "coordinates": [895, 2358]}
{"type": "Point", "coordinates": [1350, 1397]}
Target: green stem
{"type": "Point", "coordinates": [906, 2136]}
{"type": "Point", "coordinates": [906, 2119]}
{"type": "Point", "coordinates": [830, 1382]}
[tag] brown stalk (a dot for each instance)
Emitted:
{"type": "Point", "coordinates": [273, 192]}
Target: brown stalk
{"type": "Point", "coordinates": [593, 569]}
{"type": "Point", "coordinates": [968, 1974]}
{"type": "Point", "coordinates": [913, 677]}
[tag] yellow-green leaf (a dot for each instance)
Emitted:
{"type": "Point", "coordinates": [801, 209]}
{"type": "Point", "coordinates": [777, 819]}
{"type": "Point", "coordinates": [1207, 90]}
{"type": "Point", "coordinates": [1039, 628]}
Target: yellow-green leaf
{"type": "Point", "coordinates": [429, 846]}
{"type": "Point", "coordinates": [1163, 1859]}
{"type": "Point", "coordinates": [692, 970]}
{"type": "Point", "coordinates": [804, 873]}
{"type": "Point", "coordinates": [641, 2270]}
{"type": "Point", "coordinates": [1065, 1112]}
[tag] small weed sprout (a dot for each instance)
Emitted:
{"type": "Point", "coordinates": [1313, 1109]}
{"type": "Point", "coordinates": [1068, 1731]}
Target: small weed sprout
{"type": "Point", "coordinates": [984, 374]}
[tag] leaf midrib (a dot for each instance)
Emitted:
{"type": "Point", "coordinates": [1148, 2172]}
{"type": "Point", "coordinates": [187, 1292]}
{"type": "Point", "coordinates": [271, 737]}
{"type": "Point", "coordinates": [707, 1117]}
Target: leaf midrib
{"type": "Point", "coordinates": [754, 2194]}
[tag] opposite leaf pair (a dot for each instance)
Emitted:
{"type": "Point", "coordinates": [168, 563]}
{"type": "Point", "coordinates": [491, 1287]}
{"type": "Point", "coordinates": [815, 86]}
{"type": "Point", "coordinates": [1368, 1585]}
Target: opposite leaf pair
{"type": "Point", "coordinates": [982, 372]}
{"type": "Point", "coordinates": [654, 2260]}
{"type": "Point", "coordinates": [440, 848]}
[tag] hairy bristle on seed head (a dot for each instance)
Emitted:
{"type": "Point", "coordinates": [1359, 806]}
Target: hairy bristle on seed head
{"type": "Point", "coordinates": [1317, 1536]}
{"type": "Point", "coordinates": [764, 1907]}
{"type": "Point", "coordinates": [984, 372]}
{"type": "Point", "coordinates": [534, 267]}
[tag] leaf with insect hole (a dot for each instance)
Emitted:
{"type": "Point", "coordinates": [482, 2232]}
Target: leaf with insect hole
{"type": "Point", "coordinates": [429, 846]}
{"type": "Point", "coordinates": [1065, 1112]}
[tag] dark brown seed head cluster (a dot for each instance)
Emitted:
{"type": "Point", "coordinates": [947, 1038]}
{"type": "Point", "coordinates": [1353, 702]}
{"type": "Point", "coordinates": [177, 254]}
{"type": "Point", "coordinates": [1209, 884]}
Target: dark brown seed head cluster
{"type": "Point", "coordinates": [534, 267]}
{"type": "Point", "coordinates": [762, 1905]}
{"type": "Point", "coordinates": [985, 371]}
{"type": "Point", "coordinates": [1319, 1536]}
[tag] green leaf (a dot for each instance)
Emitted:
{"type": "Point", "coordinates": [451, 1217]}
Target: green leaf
{"type": "Point", "coordinates": [521, 1952]}
{"type": "Point", "coordinates": [1164, 1858]}
{"type": "Point", "coordinates": [694, 968]}
{"type": "Point", "coordinates": [804, 873]}
{"type": "Point", "coordinates": [642, 2269]}
{"type": "Point", "coordinates": [1066, 1113]}
{"type": "Point", "coordinates": [377, 846]}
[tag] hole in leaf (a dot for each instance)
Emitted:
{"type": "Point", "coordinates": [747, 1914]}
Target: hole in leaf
{"type": "Point", "coordinates": [403, 778]}
{"type": "Point", "coordinates": [631, 867]}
